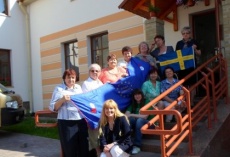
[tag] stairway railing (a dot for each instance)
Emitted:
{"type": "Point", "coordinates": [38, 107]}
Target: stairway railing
{"type": "Point", "coordinates": [212, 79]}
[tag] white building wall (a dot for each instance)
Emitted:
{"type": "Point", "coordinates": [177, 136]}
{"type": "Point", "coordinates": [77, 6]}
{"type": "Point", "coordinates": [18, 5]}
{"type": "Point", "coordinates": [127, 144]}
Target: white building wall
{"type": "Point", "coordinates": [50, 16]}
{"type": "Point", "coordinates": [12, 37]}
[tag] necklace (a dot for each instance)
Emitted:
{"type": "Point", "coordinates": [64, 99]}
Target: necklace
{"type": "Point", "coordinates": [111, 124]}
{"type": "Point", "coordinates": [112, 71]}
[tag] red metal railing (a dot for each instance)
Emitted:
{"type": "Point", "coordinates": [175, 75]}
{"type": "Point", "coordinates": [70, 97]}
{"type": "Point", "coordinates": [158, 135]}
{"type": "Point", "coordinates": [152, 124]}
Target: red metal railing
{"type": "Point", "coordinates": [42, 124]}
{"type": "Point", "coordinates": [214, 82]}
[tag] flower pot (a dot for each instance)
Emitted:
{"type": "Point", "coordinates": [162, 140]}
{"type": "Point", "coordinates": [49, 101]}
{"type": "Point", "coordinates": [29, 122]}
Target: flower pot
{"type": "Point", "coordinates": [152, 14]}
{"type": "Point", "coordinates": [190, 3]}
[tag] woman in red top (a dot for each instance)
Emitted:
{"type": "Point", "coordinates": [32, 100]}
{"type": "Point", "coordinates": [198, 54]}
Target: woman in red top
{"type": "Point", "coordinates": [112, 73]}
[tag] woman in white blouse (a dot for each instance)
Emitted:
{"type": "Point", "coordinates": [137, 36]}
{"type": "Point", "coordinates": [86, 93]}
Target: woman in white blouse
{"type": "Point", "coordinates": [72, 126]}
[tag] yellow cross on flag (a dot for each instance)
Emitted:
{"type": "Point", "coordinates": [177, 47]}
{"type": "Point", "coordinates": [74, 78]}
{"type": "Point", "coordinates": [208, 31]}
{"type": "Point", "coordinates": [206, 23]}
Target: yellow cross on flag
{"type": "Point", "coordinates": [179, 60]}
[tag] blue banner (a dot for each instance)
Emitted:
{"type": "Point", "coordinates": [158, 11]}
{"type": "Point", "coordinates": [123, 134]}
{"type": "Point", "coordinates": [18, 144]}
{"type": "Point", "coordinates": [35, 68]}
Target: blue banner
{"type": "Point", "coordinates": [90, 104]}
{"type": "Point", "coordinates": [179, 60]}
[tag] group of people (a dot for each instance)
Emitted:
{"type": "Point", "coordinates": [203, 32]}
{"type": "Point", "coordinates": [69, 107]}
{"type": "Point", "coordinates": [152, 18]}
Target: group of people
{"type": "Point", "coordinates": [113, 137]}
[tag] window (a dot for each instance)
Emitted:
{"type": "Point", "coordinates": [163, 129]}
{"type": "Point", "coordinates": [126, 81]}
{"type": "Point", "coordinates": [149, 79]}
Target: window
{"type": "Point", "coordinates": [71, 56]}
{"type": "Point", "coordinates": [3, 7]}
{"type": "Point", "coordinates": [5, 69]}
{"type": "Point", "coordinates": [99, 49]}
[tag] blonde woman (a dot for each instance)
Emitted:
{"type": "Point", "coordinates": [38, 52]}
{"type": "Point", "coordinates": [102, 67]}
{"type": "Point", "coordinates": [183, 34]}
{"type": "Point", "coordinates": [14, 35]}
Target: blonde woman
{"type": "Point", "coordinates": [115, 133]}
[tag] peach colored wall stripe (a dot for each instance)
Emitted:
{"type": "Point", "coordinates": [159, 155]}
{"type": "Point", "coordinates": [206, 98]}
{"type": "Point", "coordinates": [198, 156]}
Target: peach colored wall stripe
{"type": "Point", "coordinates": [48, 89]}
{"type": "Point", "coordinates": [126, 33]}
{"type": "Point", "coordinates": [50, 52]}
{"type": "Point", "coordinates": [47, 96]}
{"type": "Point", "coordinates": [117, 53]}
{"type": "Point", "coordinates": [82, 44]}
{"type": "Point", "coordinates": [83, 77]}
{"type": "Point", "coordinates": [135, 50]}
{"type": "Point", "coordinates": [51, 66]}
{"type": "Point", "coordinates": [95, 23]}
{"type": "Point", "coordinates": [83, 60]}
{"type": "Point", "coordinates": [132, 41]}
{"type": "Point", "coordinates": [51, 59]}
{"type": "Point", "coordinates": [51, 81]}
{"type": "Point", "coordinates": [52, 73]}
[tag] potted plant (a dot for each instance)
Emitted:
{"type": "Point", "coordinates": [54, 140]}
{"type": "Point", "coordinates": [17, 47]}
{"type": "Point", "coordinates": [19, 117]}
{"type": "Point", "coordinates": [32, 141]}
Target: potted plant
{"type": "Point", "coordinates": [153, 10]}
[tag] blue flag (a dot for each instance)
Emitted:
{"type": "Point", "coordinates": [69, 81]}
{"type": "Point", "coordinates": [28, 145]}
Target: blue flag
{"type": "Point", "coordinates": [90, 104]}
{"type": "Point", "coordinates": [179, 60]}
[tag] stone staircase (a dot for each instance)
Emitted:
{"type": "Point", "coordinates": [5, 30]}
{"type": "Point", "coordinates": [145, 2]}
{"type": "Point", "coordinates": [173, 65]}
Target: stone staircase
{"type": "Point", "coordinates": [202, 139]}
{"type": "Point", "coordinates": [151, 146]}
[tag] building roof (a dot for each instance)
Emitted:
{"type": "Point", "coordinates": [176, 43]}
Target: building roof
{"type": "Point", "coordinates": [167, 9]}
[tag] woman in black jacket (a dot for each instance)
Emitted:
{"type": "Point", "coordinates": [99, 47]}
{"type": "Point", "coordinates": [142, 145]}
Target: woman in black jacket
{"type": "Point", "coordinates": [115, 133]}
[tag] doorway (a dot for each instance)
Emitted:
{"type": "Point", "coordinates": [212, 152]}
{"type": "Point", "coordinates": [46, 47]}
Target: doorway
{"type": "Point", "coordinates": [204, 31]}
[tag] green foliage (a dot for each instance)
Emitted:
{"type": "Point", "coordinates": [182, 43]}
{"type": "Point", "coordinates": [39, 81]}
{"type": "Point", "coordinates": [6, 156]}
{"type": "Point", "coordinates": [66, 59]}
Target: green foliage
{"type": "Point", "coordinates": [27, 126]}
{"type": "Point", "coordinates": [153, 8]}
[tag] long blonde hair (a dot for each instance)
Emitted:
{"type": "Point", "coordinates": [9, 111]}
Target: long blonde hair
{"type": "Point", "coordinates": [109, 104]}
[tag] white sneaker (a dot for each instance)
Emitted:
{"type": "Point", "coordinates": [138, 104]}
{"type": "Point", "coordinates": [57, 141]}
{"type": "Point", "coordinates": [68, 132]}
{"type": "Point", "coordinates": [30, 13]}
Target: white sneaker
{"type": "Point", "coordinates": [136, 150]}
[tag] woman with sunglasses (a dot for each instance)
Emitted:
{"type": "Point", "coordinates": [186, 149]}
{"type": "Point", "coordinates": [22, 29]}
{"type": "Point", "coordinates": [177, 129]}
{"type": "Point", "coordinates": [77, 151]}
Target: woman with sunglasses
{"type": "Point", "coordinates": [90, 84]}
{"type": "Point", "coordinates": [112, 73]}
{"type": "Point", "coordinates": [187, 42]}
{"type": "Point", "coordinates": [93, 81]}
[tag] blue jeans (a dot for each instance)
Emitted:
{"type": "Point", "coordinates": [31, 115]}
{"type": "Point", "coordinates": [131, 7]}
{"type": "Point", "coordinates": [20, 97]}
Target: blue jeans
{"type": "Point", "coordinates": [136, 124]}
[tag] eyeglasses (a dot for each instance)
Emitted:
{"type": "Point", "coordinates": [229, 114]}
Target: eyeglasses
{"type": "Point", "coordinates": [94, 71]}
{"type": "Point", "coordinates": [186, 33]}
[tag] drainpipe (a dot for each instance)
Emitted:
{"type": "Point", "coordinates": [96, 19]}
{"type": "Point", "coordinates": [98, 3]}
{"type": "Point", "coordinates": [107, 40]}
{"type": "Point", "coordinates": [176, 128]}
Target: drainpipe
{"type": "Point", "coordinates": [28, 45]}
{"type": "Point", "coordinates": [217, 13]}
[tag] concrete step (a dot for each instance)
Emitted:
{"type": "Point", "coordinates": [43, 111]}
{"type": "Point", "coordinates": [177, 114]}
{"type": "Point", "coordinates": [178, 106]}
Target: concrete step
{"type": "Point", "coordinates": [203, 137]}
{"type": "Point", "coordinates": [148, 154]}
{"type": "Point", "coordinates": [154, 146]}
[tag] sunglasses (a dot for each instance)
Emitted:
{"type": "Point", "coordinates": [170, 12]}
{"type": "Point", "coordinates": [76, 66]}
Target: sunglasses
{"type": "Point", "coordinates": [185, 33]}
{"type": "Point", "coordinates": [94, 71]}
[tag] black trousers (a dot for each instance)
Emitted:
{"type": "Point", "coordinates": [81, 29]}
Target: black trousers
{"type": "Point", "coordinates": [74, 138]}
{"type": "Point", "coordinates": [183, 73]}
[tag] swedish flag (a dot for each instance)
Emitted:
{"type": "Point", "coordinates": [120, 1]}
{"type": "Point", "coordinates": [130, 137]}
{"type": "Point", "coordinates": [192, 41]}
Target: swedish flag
{"type": "Point", "coordinates": [179, 60]}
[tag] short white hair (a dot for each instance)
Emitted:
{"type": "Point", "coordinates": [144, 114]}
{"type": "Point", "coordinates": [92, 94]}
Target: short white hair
{"type": "Point", "coordinates": [95, 65]}
{"type": "Point", "coordinates": [186, 28]}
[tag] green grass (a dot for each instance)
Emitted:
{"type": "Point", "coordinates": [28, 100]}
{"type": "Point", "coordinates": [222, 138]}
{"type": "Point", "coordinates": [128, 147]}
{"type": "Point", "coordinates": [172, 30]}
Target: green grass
{"type": "Point", "coordinates": [27, 126]}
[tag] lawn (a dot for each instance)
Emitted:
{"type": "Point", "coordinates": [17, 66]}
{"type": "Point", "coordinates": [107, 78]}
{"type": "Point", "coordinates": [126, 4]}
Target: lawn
{"type": "Point", "coordinates": [27, 126]}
